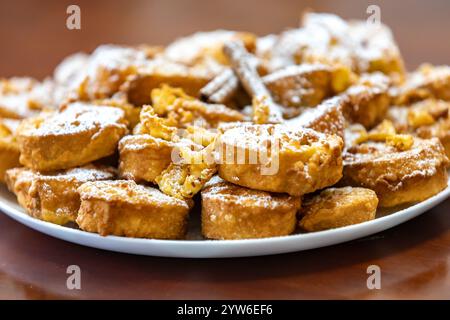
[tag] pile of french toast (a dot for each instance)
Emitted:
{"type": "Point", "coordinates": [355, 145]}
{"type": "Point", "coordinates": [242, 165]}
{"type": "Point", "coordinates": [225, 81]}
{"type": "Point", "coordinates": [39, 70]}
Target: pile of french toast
{"type": "Point", "coordinates": [307, 130]}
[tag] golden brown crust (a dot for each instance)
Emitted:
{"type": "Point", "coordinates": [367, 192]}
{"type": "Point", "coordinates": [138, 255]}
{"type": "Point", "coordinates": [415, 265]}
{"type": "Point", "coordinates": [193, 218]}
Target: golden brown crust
{"type": "Point", "coordinates": [328, 117]}
{"type": "Point", "coordinates": [276, 158]}
{"type": "Point", "coordinates": [306, 85]}
{"type": "Point", "coordinates": [77, 135]}
{"type": "Point", "coordinates": [123, 208]}
{"type": "Point", "coordinates": [338, 207]}
{"type": "Point", "coordinates": [368, 100]}
{"type": "Point", "coordinates": [233, 212]}
{"type": "Point", "coordinates": [132, 113]}
{"type": "Point", "coordinates": [53, 197]}
{"type": "Point", "coordinates": [161, 71]}
{"type": "Point", "coordinates": [143, 157]}
{"type": "Point", "coordinates": [397, 176]}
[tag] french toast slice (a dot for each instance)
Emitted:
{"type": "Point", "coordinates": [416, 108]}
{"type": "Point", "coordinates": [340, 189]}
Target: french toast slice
{"type": "Point", "coordinates": [105, 71]}
{"type": "Point", "coordinates": [144, 157]}
{"type": "Point", "coordinates": [279, 158]}
{"type": "Point", "coordinates": [307, 85]}
{"type": "Point", "coordinates": [233, 212]}
{"type": "Point", "coordinates": [338, 207]}
{"type": "Point", "coordinates": [53, 197]}
{"type": "Point", "coordinates": [397, 175]}
{"type": "Point", "coordinates": [367, 100]}
{"type": "Point", "coordinates": [78, 134]}
{"type": "Point", "coordinates": [161, 71]}
{"type": "Point", "coordinates": [124, 208]}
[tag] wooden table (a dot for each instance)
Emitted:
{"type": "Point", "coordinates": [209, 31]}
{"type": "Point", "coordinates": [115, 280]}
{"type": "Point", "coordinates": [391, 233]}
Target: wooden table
{"type": "Point", "coordinates": [414, 258]}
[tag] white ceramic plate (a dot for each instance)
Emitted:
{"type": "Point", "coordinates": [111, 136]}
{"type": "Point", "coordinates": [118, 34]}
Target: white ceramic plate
{"type": "Point", "coordinates": [199, 248]}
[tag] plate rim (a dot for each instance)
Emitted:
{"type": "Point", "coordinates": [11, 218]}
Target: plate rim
{"type": "Point", "coordinates": [343, 234]}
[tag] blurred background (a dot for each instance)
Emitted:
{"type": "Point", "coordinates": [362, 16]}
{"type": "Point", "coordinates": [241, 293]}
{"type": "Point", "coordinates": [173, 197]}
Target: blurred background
{"type": "Point", "coordinates": [34, 37]}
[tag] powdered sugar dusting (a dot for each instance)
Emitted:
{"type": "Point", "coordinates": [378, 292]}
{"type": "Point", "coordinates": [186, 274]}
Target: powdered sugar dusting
{"type": "Point", "coordinates": [229, 193]}
{"type": "Point", "coordinates": [77, 117]}
{"type": "Point", "coordinates": [189, 49]}
{"type": "Point", "coordinates": [141, 142]}
{"type": "Point", "coordinates": [330, 39]}
{"type": "Point", "coordinates": [422, 160]}
{"type": "Point", "coordinates": [128, 192]}
{"type": "Point", "coordinates": [326, 118]}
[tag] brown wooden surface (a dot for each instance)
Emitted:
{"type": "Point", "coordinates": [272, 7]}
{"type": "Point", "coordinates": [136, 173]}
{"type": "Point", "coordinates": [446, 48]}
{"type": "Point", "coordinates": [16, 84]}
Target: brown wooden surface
{"type": "Point", "coordinates": [414, 257]}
